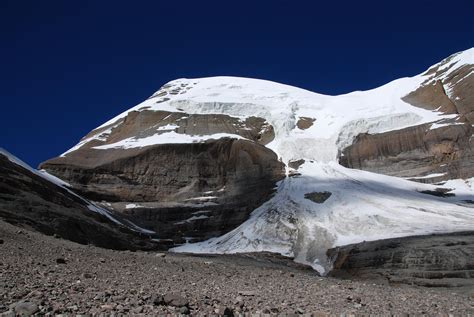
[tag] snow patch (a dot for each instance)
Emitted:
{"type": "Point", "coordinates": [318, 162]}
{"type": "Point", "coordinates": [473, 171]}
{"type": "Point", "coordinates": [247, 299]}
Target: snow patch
{"type": "Point", "coordinates": [165, 138]}
{"type": "Point", "coordinates": [54, 179]}
{"type": "Point", "coordinates": [168, 127]}
{"type": "Point", "coordinates": [131, 206]}
{"type": "Point", "coordinates": [428, 176]}
{"type": "Point", "coordinates": [193, 218]}
{"type": "Point", "coordinates": [438, 125]}
{"type": "Point", "coordinates": [100, 136]}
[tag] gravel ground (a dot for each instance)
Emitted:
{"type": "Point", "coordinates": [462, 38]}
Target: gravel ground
{"type": "Point", "coordinates": [47, 276]}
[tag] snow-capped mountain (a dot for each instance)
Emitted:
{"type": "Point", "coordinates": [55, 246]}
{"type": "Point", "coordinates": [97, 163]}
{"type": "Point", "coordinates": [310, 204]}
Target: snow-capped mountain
{"type": "Point", "coordinates": [201, 157]}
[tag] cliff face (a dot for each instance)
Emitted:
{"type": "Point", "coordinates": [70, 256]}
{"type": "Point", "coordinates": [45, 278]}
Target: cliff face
{"type": "Point", "coordinates": [183, 191]}
{"type": "Point", "coordinates": [29, 200]}
{"type": "Point", "coordinates": [445, 260]}
{"type": "Point", "coordinates": [444, 149]}
{"type": "Point", "coordinates": [444, 153]}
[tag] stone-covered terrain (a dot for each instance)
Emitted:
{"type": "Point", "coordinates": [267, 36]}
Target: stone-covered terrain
{"type": "Point", "coordinates": [48, 276]}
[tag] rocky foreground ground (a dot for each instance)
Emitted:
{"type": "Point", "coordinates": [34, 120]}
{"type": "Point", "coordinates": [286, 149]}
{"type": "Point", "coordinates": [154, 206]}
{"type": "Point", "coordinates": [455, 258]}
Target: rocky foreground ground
{"type": "Point", "coordinates": [46, 275]}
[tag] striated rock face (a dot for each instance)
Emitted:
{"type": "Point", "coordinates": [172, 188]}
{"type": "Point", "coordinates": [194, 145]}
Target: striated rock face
{"type": "Point", "coordinates": [446, 152]}
{"type": "Point", "coordinates": [146, 123]}
{"type": "Point", "coordinates": [29, 200]}
{"type": "Point", "coordinates": [444, 149]}
{"type": "Point", "coordinates": [182, 191]}
{"type": "Point", "coordinates": [443, 260]}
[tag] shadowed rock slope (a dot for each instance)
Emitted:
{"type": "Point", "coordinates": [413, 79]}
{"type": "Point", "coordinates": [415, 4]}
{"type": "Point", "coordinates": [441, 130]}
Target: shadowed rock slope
{"type": "Point", "coordinates": [31, 201]}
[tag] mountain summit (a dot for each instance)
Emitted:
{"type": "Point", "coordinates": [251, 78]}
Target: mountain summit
{"type": "Point", "coordinates": [226, 164]}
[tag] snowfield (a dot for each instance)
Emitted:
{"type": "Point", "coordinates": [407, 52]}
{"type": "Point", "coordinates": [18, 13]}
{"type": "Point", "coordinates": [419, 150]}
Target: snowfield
{"type": "Point", "coordinates": [362, 205]}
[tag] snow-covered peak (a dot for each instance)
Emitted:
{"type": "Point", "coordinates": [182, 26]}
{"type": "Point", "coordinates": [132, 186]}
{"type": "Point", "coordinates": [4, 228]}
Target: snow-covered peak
{"type": "Point", "coordinates": [250, 91]}
{"type": "Point", "coordinates": [337, 119]}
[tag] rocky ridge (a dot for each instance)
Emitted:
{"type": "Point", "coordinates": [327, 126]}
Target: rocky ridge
{"type": "Point", "coordinates": [443, 260]}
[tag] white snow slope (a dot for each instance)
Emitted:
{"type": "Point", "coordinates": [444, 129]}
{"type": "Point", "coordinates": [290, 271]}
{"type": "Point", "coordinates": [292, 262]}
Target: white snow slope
{"type": "Point", "coordinates": [363, 205]}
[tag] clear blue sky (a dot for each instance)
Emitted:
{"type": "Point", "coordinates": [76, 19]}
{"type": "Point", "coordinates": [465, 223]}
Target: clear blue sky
{"type": "Point", "coordinates": [68, 66]}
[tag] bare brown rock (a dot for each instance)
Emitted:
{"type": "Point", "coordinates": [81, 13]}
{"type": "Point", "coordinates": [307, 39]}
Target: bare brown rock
{"type": "Point", "coordinates": [196, 190]}
{"type": "Point", "coordinates": [419, 151]}
{"type": "Point", "coordinates": [433, 93]}
{"type": "Point", "coordinates": [432, 97]}
{"type": "Point", "coordinates": [295, 164]}
{"type": "Point", "coordinates": [305, 123]}
{"type": "Point", "coordinates": [414, 152]}
{"type": "Point", "coordinates": [444, 260]}
{"type": "Point", "coordinates": [139, 124]}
